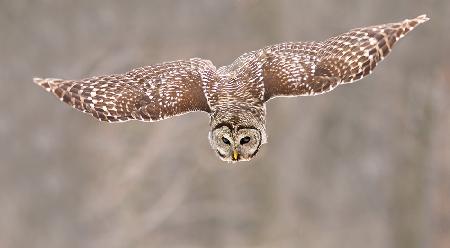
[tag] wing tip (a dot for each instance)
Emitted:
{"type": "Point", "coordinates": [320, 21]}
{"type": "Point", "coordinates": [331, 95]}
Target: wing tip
{"type": "Point", "coordinates": [46, 83]}
{"type": "Point", "coordinates": [416, 21]}
{"type": "Point", "coordinates": [38, 80]}
{"type": "Point", "coordinates": [409, 24]}
{"type": "Point", "coordinates": [422, 18]}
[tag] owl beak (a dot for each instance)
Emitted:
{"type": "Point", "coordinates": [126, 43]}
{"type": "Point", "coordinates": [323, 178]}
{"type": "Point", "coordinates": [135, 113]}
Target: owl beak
{"type": "Point", "coordinates": [235, 155]}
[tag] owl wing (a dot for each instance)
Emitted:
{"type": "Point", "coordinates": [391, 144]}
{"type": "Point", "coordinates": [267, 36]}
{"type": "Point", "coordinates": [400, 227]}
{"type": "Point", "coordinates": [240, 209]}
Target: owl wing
{"type": "Point", "coordinates": [311, 68]}
{"type": "Point", "coordinates": [149, 93]}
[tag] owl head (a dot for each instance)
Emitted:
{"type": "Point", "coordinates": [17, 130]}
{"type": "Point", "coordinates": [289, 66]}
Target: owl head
{"type": "Point", "coordinates": [234, 144]}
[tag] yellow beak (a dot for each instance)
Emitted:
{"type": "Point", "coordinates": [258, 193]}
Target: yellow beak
{"type": "Point", "coordinates": [235, 155]}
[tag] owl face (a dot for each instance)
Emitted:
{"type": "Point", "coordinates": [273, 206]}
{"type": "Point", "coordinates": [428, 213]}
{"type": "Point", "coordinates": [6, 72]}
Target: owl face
{"type": "Point", "coordinates": [235, 144]}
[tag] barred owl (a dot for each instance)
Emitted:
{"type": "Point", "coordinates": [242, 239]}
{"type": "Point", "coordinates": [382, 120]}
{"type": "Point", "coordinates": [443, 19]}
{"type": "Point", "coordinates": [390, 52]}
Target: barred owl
{"type": "Point", "coordinates": [234, 96]}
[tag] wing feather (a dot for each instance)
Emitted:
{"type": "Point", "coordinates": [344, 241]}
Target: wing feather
{"type": "Point", "coordinates": [148, 93]}
{"type": "Point", "coordinates": [311, 68]}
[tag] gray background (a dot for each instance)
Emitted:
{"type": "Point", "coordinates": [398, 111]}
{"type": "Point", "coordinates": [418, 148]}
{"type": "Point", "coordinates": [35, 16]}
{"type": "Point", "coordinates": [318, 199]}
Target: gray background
{"type": "Point", "coordinates": [367, 165]}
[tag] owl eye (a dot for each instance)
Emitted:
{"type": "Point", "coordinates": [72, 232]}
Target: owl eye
{"type": "Point", "coordinates": [245, 140]}
{"type": "Point", "coordinates": [225, 140]}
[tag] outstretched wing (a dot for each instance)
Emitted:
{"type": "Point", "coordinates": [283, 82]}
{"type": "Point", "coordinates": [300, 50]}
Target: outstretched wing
{"type": "Point", "coordinates": [149, 93]}
{"type": "Point", "coordinates": [311, 68]}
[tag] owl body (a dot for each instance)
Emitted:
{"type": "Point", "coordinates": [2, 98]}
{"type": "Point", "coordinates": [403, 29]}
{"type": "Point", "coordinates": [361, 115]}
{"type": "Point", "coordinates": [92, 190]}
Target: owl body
{"type": "Point", "coordinates": [234, 96]}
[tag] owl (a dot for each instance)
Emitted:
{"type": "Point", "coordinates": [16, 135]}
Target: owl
{"type": "Point", "coordinates": [235, 95]}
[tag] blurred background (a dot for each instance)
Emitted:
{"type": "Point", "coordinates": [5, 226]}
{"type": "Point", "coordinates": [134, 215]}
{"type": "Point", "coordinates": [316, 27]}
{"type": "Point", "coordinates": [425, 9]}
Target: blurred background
{"type": "Point", "coordinates": [367, 165]}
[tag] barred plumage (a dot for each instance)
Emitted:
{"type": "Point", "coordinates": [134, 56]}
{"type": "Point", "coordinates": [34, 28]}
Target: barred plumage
{"type": "Point", "coordinates": [234, 95]}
